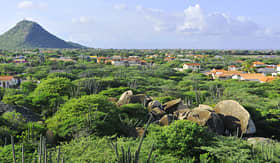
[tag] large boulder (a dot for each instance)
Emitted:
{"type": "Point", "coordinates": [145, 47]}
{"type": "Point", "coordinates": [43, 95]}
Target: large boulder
{"type": "Point", "coordinates": [182, 114]}
{"type": "Point", "coordinates": [166, 120]}
{"type": "Point", "coordinates": [174, 105]}
{"type": "Point", "coordinates": [158, 113]}
{"type": "Point", "coordinates": [236, 118]}
{"type": "Point", "coordinates": [125, 98]}
{"type": "Point", "coordinates": [203, 115]}
{"type": "Point", "coordinates": [128, 98]}
{"type": "Point", "coordinates": [154, 104]}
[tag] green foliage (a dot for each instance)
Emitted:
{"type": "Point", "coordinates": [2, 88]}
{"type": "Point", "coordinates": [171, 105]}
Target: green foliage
{"type": "Point", "coordinates": [6, 154]}
{"type": "Point", "coordinates": [28, 86]}
{"type": "Point", "coordinates": [19, 100]}
{"type": "Point", "coordinates": [90, 114]}
{"type": "Point", "coordinates": [229, 149]}
{"type": "Point", "coordinates": [69, 76]}
{"type": "Point", "coordinates": [181, 139]}
{"type": "Point", "coordinates": [165, 99]}
{"type": "Point", "coordinates": [114, 92]}
{"type": "Point", "coordinates": [51, 93]}
{"type": "Point", "coordinates": [131, 116]}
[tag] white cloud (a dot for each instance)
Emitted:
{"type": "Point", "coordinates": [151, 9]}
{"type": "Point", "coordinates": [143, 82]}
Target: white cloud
{"type": "Point", "coordinates": [120, 6]}
{"type": "Point", "coordinates": [30, 4]}
{"type": "Point", "coordinates": [82, 20]}
{"type": "Point", "coordinates": [194, 19]}
{"type": "Point", "coordinates": [142, 9]}
{"type": "Point", "coordinates": [25, 4]}
{"type": "Point", "coordinates": [217, 24]}
{"type": "Point", "coordinates": [160, 20]}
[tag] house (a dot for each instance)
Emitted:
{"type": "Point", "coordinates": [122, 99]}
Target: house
{"type": "Point", "coordinates": [168, 59]}
{"type": "Point", "coordinates": [116, 57]}
{"type": "Point", "coordinates": [278, 68]}
{"type": "Point", "coordinates": [250, 77]}
{"type": "Point", "coordinates": [222, 74]}
{"type": "Point", "coordinates": [232, 68]}
{"type": "Point", "coordinates": [9, 81]}
{"type": "Point", "coordinates": [193, 66]}
{"type": "Point", "coordinates": [258, 64]}
{"type": "Point", "coordinates": [267, 70]}
{"type": "Point", "coordinates": [267, 79]}
{"type": "Point", "coordinates": [120, 63]}
{"type": "Point", "coordinates": [102, 59]}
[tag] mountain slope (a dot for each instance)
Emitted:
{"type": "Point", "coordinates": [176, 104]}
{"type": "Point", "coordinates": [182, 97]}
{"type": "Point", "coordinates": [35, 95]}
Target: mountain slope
{"type": "Point", "coordinates": [28, 34]}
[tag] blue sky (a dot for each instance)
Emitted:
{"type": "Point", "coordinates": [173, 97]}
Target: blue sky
{"type": "Point", "coordinates": [199, 24]}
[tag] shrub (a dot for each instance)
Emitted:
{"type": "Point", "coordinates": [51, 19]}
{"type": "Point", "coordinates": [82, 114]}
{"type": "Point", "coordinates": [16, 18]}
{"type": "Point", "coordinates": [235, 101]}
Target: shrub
{"type": "Point", "coordinates": [90, 114]}
{"type": "Point", "coordinates": [181, 139]}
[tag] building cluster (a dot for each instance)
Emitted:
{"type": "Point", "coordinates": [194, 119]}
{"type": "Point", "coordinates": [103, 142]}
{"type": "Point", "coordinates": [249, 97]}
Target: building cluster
{"type": "Point", "coordinates": [120, 61]}
{"type": "Point", "coordinates": [264, 73]}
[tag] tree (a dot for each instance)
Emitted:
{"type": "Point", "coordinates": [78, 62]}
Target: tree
{"type": "Point", "coordinates": [50, 94]}
{"type": "Point", "coordinates": [89, 114]}
{"type": "Point", "coordinates": [181, 139]}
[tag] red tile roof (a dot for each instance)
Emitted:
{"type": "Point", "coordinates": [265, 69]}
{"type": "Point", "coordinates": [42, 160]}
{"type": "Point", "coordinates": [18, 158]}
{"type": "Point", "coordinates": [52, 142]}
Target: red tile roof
{"type": "Point", "coordinates": [192, 64]}
{"type": "Point", "coordinates": [6, 78]}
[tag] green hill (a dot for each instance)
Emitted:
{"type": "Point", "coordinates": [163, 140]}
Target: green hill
{"type": "Point", "coordinates": [28, 34]}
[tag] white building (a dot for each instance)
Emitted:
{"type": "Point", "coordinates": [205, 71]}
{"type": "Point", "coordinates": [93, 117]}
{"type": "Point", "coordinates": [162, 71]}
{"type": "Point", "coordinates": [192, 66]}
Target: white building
{"type": "Point", "coordinates": [193, 66]}
{"type": "Point", "coordinates": [8, 81]}
{"type": "Point", "coordinates": [232, 68]}
{"type": "Point", "coordinates": [278, 68]}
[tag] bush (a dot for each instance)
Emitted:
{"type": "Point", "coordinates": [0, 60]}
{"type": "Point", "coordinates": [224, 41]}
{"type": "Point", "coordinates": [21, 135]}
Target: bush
{"type": "Point", "coordinates": [90, 114]}
{"type": "Point", "coordinates": [229, 149]}
{"type": "Point", "coordinates": [181, 139]}
{"type": "Point", "coordinates": [132, 116]}
{"type": "Point", "coordinates": [114, 92]}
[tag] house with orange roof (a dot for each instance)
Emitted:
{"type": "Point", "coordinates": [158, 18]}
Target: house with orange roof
{"type": "Point", "coordinates": [222, 74]}
{"type": "Point", "coordinates": [258, 64]}
{"type": "Point", "coordinates": [193, 66]}
{"type": "Point", "coordinates": [267, 79]}
{"type": "Point", "coordinates": [250, 77]}
{"type": "Point", "coordinates": [102, 59]}
{"type": "Point", "coordinates": [232, 68]}
{"type": "Point", "coordinates": [9, 81]}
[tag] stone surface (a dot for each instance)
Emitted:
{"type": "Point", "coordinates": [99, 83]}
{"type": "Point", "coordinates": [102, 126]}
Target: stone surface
{"type": "Point", "coordinates": [158, 113]}
{"type": "Point", "coordinates": [166, 120]}
{"type": "Point", "coordinates": [236, 118]}
{"type": "Point", "coordinates": [174, 105]}
{"type": "Point", "coordinates": [154, 104]}
{"type": "Point", "coordinates": [182, 114]}
{"type": "Point", "coordinates": [125, 98]}
{"type": "Point", "coordinates": [140, 131]}
{"type": "Point", "coordinates": [205, 116]}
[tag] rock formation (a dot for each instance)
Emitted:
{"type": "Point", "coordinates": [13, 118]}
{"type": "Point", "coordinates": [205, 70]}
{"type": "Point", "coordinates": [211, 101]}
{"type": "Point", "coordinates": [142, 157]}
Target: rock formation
{"type": "Point", "coordinates": [236, 118]}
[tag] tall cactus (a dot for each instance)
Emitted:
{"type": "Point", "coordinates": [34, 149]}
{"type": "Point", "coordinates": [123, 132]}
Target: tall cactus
{"type": "Point", "coordinates": [13, 149]}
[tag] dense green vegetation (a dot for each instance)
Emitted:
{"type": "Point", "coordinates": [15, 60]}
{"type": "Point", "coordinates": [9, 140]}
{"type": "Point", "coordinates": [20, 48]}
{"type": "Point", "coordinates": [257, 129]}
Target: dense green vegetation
{"type": "Point", "coordinates": [76, 103]}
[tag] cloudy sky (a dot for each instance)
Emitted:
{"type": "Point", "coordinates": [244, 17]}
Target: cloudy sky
{"type": "Point", "coordinates": [199, 24]}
